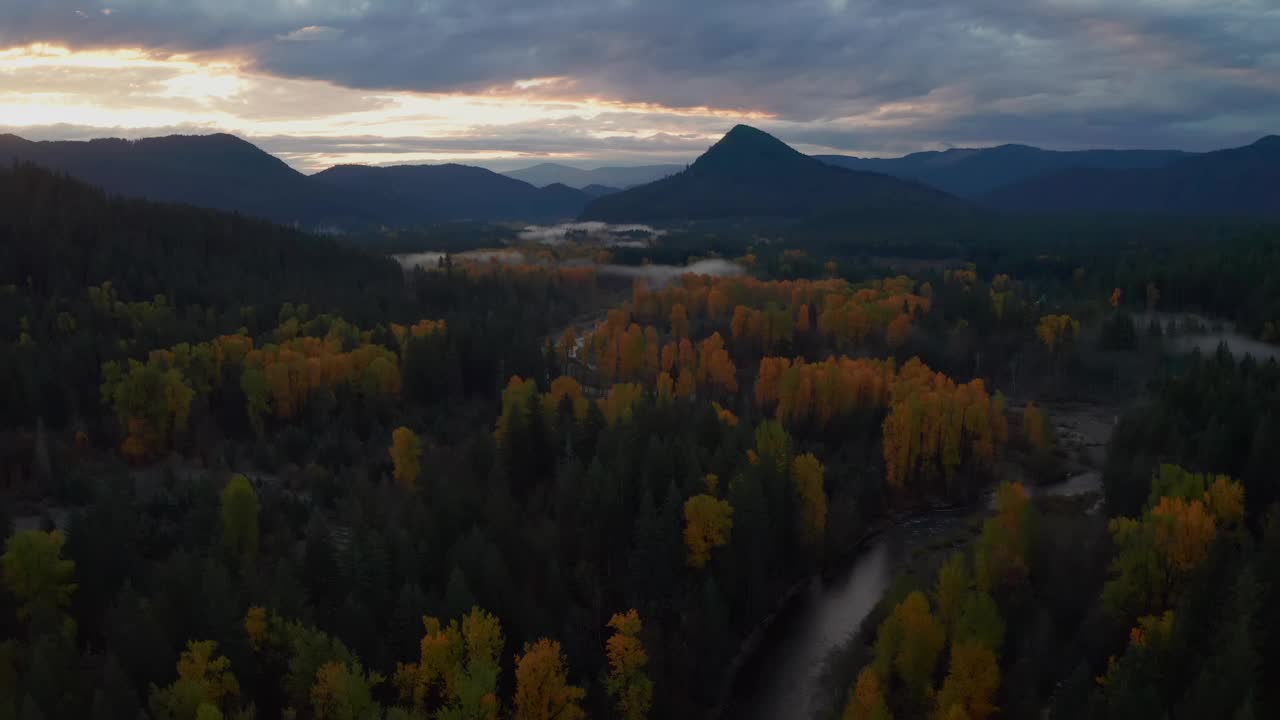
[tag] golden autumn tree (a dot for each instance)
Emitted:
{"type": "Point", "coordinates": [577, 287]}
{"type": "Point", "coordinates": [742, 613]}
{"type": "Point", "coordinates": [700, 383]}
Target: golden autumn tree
{"type": "Point", "coordinates": [669, 357]}
{"type": "Point", "coordinates": [707, 523]}
{"type": "Point", "coordinates": [565, 391]}
{"type": "Point", "coordinates": [1000, 292]}
{"type": "Point", "coordinates": [204, 678]}
{"type": "Point", "coordinates": [457, 671]}
{"type": "Point", "coordinates": [1000, 556]}
{"type": "Point", "coordinates": [406, 457]}
{"type": "Point", "coordinates": [935, 426]}
{"type": "Point", "coordinates": [679, 322]}
{"type": "Point", "coordinates": [1057, 331]}
{"type": "Point", "coordinates": [1035, 427]}
{"type": "Point", "coordinates": [971, 683]}
{"type": "Point", "coordinates": [1184, 531]}
{"type": "Point", "coordinates": [803, 321]}
{"type": "Point", "coordinates": [686, 385]}
{"type": "Point", "coordinates": [543, 691]}
{"type": "Point", "coordinates": [628, 683]}
{"type": "Point", "coordinates": [37, 574]}
{"type": "Point", "coordinates": [255, 627]}
{"type": "Point", "coordinates": [898, 331]}
{"type": "Point", "coordinates": [867, 698]}
{"type": "Point", "coordinates": [619, 403]}
{"type": "Point", "coordinates": [909, 644]}
{"type": "Point", "coordinates": [1156, 553]}
{"type": "Point", "coordinates": [517, 399]}
{"type": "Point", "coordinates": [951, 587]}
{"type": "Point", "coordinates": [808, 474]}
{"type": "Point", "coordinates": [665, 388]}
{"type": "Point", "coordinates": [344, 692]}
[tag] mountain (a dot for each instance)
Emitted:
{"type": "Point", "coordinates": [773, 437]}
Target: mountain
{"type": "Point", "coordinates": [223, 172]}
{"type": "Point", "coordinates": [750, 173]}
{"type": "Point", "coordinates": [613, 177]}
{"type": "Point", "coordinates": [59, 235]}
{"type": "Point", "coordinates": [1238, 181]}
{"type": "Point", "coordinates": [972, 172]}
{"type": "Point", "coordinates": [219, 171]}
{"type": "Point", "coordinates": [596, 191]}
{"type": "Point", "coordinates": [413, 194]}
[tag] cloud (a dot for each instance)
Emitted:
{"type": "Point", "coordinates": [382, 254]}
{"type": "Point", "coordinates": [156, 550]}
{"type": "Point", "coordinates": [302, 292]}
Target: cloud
{"type": "Point", "coordinates": [869, 76]}
{"type": "Point", "coordinates": [311, 33]}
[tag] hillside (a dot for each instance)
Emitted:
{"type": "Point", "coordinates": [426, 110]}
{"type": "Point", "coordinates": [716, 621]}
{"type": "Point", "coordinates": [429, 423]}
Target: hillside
{"type": "Point", "coordinates": [1238, 181]}
{"type": "Point", "coordinates": [750, 173]}
{"type": "Point", "coordinates": [972, 172]}
{"type": "Point", "coordinates": [413, 194]}
{"type": "Point", "coordinates": [220, 171]}
{"type": "Point", "coordinates": [545, 174]}
{"type": "Point", "coordinates": [223, 172]}
{"type": "Point", "coordinates": [59, 235]}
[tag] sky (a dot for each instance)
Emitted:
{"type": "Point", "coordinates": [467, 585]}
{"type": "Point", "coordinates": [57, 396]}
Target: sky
{"type": "Point", "coordinates": [511, 83]}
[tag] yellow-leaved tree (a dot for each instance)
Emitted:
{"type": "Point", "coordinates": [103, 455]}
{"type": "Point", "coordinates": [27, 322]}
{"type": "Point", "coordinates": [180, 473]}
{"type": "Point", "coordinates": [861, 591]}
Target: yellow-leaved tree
{"type": "Point", "coordinates": [866, 700]}
{"type": "Point", "coordinates": [971, 683]}
{"type": "Point", "coordinates": [543, 691]}
{"type": "Point", "coordinates": [707, 523]}
{"type": "Point", "coordinates": [457, 671]}
{"type": "Point", "coordinates": [37, 574]}
{"type": "Point", "coordinates": [406, 456]}
{"type": "Point", "coordinates": [808, 475]}
{"type": "Point", "coordinates": [627, 683]}
{"type": "Point", "coordinates": [204, 678]}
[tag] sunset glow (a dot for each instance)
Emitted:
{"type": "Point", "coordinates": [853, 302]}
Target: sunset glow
{"type": "Point", "coordinates": [46, 85]}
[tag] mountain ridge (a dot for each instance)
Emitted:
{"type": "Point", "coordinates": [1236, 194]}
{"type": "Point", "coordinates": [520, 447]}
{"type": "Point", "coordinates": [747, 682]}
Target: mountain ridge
{"type": "Point", "coordinates": [1234, 181]}
{"type": "Point", "coordinates": [750, 173]}
{"type": "Point", "coordinates": [972, 172]}
{"type": "Point", "coordinates": [224, 172]}
{"type": "Point", "coordinates": [614, 176]}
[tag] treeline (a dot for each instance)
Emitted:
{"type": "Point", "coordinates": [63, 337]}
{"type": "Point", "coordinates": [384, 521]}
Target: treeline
{"type": "Point", "coordinates": [1164, 610]}
{"type": "Point", "coordinates": [1217, 266]}
{"type": "Point", "coordinates": [571, 505]}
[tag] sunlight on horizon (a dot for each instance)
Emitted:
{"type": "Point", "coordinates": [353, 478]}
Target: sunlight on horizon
{"type": "Point", "coordinates": [131, 89]}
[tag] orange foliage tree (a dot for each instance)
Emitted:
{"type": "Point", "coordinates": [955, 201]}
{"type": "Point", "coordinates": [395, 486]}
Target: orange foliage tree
{"type": "Point", "coordinates": [627, 683]}
{"type": "Point", "coordinates": [543, 691]}
{"type": "Point", "coordinates": [406, 457]}
{"type": "Point", "coordinates": [708, 521]}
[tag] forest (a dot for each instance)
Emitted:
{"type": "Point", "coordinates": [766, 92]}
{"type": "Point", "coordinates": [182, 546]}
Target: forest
{"type": "Point", "coordinates": [250, 472]}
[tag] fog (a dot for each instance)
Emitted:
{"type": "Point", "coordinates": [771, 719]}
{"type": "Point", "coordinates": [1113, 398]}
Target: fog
{"type": "Point", "coordinates": [660, 275]}
{"type": "Point", "coordinates": [1197, 332]}
{"type": "Point", "coordinates": [431, 259]}
{"type": "Point", "coordinates": [596, 232]}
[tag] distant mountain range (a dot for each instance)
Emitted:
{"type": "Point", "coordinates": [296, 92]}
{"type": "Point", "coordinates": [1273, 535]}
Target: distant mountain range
{"type": "Point", "coordinates": [414, 194]}
{"type": "Point", "coordinates": [750, 173]}
{"type": "Point", "coordinates": [226, 173]}
{"type": "Point", "coordinates": [974, 172]}
{"type": "Point", "coordinates": [747, 174]}
{"type": "Point", "coordinates": [609, 177]}
{"type": "Point", "coordinates": [221, 172]}
{"type": "Point", "coordinates": [1239, 181]}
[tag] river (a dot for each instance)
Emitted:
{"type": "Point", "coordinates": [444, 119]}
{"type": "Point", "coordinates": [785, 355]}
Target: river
{"type": "Point", "coordinates": [782, 678]}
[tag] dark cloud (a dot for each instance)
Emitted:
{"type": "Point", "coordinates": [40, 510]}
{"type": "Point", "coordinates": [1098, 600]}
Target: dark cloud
{"type": "Point", "coordinates": [855, 75]}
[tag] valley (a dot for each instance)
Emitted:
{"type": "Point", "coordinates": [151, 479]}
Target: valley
{"type": "Point", "coordinates": [767, 436]}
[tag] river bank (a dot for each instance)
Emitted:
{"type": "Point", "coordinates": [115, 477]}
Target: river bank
{"type": "Point", "coordinates": [781, 668]}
